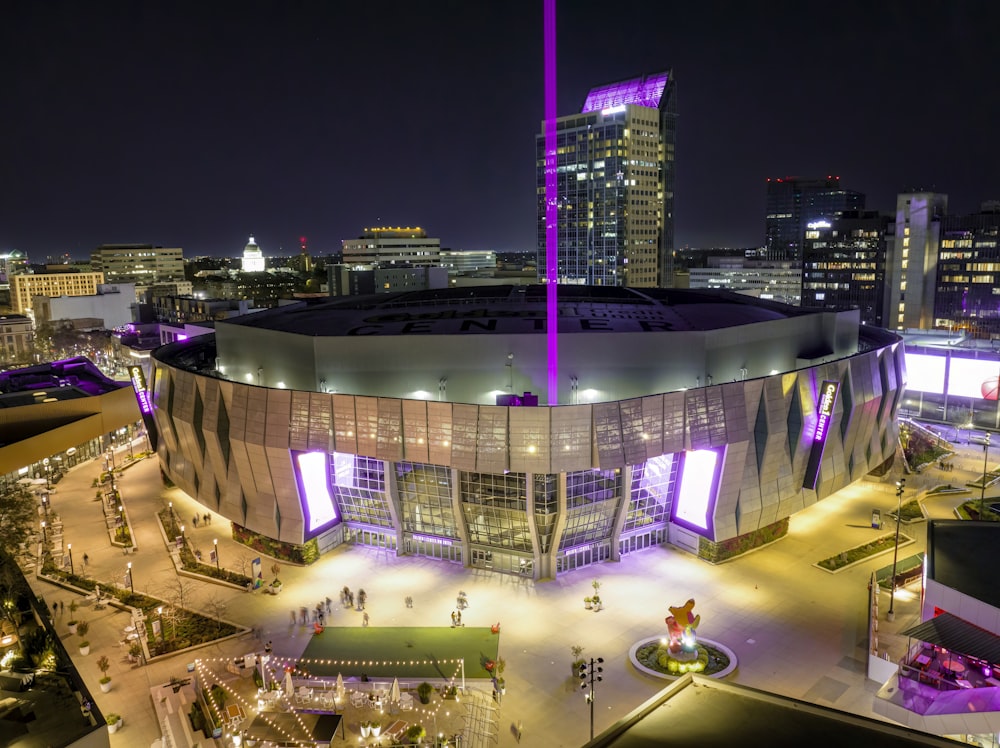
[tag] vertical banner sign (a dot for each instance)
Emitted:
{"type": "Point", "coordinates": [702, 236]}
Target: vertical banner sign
{"type": "Point", "coordinates": [258, 575]}
{"type": "Point", "coordinates": [824, 418]}
{"type": "Point", "coordinates": [138, 379]}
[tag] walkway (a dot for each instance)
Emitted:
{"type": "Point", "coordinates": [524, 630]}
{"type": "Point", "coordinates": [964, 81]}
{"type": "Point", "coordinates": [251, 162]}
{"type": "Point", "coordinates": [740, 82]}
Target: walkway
{"type": "Point", "coordinates": [797, 630]}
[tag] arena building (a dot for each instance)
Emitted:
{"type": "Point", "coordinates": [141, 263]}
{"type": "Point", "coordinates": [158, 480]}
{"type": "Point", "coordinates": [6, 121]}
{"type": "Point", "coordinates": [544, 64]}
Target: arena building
{"type": "Point", "coordinates": [422, 422]}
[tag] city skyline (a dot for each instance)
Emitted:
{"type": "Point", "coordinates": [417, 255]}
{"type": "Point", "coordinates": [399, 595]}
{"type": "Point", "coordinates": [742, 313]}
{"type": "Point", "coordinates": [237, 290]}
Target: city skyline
{"type": "Point", "coordinates": [196, 127]}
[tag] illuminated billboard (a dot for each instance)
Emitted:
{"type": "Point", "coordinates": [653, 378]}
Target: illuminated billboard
{"type": "Point", "coordinates": [824, 419]}
{"type": "Point", "coordinates": [138, 378]}
{"type": "Point", "coordinates": [925, 373]}
{"type": "Point", "coordinates": [313, 478]}
{"type": "Point", "coordinates": [694, 505]}
{"type": "Point", "coordinates": [973, 377]}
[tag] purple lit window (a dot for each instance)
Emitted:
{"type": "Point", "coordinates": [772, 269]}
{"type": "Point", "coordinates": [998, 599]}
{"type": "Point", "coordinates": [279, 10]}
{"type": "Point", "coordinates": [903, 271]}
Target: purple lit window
{"type": "Point", "coordinates": [314, 490]}
{"type": "Point", "coordinates": [695, 502]}
{"type": "Point", "coordinates": [645, 91]}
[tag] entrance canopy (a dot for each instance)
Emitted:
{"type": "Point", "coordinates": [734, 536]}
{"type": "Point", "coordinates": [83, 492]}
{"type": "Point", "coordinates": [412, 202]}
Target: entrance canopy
{"type": "Point", "coordinates": [957, 635]}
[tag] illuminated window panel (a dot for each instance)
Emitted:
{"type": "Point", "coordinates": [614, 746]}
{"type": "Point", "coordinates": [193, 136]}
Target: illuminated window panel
{"type": "Point", "coordinates": [312, 475]}
{"type": "Point", "coordinates": [652, 485]}
{"type": "Point", "coordinates": [694, 504]}
{"type": "Point", "coordinates": [425, 499]}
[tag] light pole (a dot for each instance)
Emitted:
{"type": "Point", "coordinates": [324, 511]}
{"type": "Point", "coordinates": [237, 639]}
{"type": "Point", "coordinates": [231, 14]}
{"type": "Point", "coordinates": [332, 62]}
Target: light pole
{"type": "Point", "coordinates": [590, 675]}
{"type": "Point", "coordinates": [45, 535]}
{"type": "Point", "coordinates": [982, 493]}
{"type": "Point", "coordinates": [891, 615]}
{"type": "Point", "coordinates": [130, 587]}
{"type": "Point", "coordinates": [215, 542]}
{"type": "Point", "coordinates": [69, 547]}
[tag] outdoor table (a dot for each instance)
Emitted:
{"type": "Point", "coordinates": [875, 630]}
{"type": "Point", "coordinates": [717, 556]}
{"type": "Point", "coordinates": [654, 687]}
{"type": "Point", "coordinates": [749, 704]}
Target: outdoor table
{"type": "Point", "coordinates": [129, 629]}
{"type": "Point", "coordinates": [954, 666]}
{"type": "Point", "coordinates": [132, 636]}
{"type": "Point", "coordinates": [923, 660]}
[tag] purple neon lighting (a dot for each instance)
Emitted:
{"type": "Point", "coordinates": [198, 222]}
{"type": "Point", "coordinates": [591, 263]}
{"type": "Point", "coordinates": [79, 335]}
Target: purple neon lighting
{"type": "Point", "coordinates": [551, 209]}
{"type": "Point", "coordinates": [646, 90]}
{"type": "Point", "coordinates": [138, 379]}
{"type": "Point", "coordinates": [343, 470]}
{"type": "Point", "coordinates": [320, 509]}
{"type": "Point", "coordinates": [696, 496]}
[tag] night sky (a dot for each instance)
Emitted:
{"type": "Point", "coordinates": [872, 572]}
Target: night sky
{"type": "Point", "coordinates": [197, 124]}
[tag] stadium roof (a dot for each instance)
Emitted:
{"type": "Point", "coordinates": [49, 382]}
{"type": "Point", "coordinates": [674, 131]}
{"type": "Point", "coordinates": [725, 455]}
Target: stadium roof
{"type": "Point", "coordinates": [519, 309]}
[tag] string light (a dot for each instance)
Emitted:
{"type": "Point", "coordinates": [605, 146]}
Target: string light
{"type": "Point", "coordinates": [210, 678]}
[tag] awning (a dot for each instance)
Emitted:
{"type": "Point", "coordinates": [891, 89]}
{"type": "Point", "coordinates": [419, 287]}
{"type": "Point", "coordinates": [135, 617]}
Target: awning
{"type": "Point", "coordinates": [957, 635]}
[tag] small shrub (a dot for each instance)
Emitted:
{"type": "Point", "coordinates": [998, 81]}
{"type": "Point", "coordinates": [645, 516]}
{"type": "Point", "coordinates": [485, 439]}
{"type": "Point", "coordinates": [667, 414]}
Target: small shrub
{"type": "Point", "coordinates": [424, 691]}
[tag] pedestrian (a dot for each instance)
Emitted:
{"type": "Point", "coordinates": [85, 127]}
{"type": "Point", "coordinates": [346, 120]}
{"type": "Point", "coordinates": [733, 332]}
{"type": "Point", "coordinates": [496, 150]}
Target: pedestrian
{"type": "Point", "coordinates": [328, 601]}
{"type": "Point", "coordinates": [303, 613]}
{"type": "Point", "coordinates": [194, 520]}
{"type": "Point", "coordinates": [207, 518]}
{"type": "Point", "coordinates": [322, 618]}
{"type": "Point", "coordinates": [86, 559]}
{"type": "Point", "coordinates": [362, 597]}
{"type": "Point", "coordinates": [350, 599]}
{"type": "Point", "coordinates": [365, 620]}
{"type": "Point", "coordinates": [267, 647]}
{"type": "Point", "coordinates": [454, 621]}
{"type": "Point", "coordinates": [459, 618]}
{"type": "Point", "coordinates": [293, 616]}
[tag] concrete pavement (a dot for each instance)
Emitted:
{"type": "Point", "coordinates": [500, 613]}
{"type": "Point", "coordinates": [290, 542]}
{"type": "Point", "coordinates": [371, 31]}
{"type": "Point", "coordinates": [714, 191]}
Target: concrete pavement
{"type": "Point", "coordinates": [797, 630]}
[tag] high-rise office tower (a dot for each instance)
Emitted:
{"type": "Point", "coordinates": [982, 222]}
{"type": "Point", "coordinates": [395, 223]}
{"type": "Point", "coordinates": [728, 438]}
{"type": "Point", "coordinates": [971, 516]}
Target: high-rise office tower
{"type": "Point", "coordinates": [843, 264]}
{"type": "Point", "coordinates": [393, 246]}
{"type": "Point", "coordinates": [145, 265]}
{"type": "Point", "coordinates": [911, 264]}
{"type": "Point", "coordinates": [615, 175]}
{"type": "Point", "coordinates": [793, 203]}
{"type": "Point", "coordinates": [968, 273]}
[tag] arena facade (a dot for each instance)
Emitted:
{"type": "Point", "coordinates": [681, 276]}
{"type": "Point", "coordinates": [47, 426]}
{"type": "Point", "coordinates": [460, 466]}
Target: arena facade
{"type": "Point", "coordinates": [690, 417]}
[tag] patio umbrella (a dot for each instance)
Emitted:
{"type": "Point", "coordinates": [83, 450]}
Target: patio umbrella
{"type": "Point", "coordinates": [394, 691]}
{"type": "Point", "coordinates": [289, 688]}
{"type": "Point", "coordinates": [340, 686]}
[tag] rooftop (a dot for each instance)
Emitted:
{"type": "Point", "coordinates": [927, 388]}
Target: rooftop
{"type": "Point", "coordinates": [963, 555]}
{"type": "Point", "coordinates": [520, 309]}
{"type": "Point", "coordinates": [646, 90]}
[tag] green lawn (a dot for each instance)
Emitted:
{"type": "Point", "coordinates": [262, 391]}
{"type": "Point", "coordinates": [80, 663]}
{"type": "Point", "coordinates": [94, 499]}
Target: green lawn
{"type": "Point", "coordinates": [429, 646]}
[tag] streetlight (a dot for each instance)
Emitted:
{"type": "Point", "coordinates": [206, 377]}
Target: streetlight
{"type": "Point", "coordinates": [69, 547]}
{"type": "Point", "coordinates": [590, 675]}
{"type": "Point", "coordinates": [130, 587]}
{"type": "Point", "coordinates": [215, 542]}
{"type": "Point", "coordinates": [982, 493]}
{"type": "Point", "coordinates": [45, 535]}
{"type": "Point", "coordinates": [900, 484]}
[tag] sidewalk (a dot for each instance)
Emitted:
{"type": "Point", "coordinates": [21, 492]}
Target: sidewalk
{"type": "Point", "coordinates": [797, 630]}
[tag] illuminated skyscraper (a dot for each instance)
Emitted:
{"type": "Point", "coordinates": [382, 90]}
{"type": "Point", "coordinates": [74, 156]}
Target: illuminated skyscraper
{"type": "Point", "coordinates": [793, 203]}
{"type": "Point", "coordinates": [615, 175]}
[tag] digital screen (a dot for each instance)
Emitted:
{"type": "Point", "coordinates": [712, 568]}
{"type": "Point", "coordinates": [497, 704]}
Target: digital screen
{"type": "Point", "coordinates": [925, 373]}
{"type": "Point", "coordinates": [138, 378]}
{"type": "Point", "coordinates": [314, 491]}
{"type": "Point", "coordinates": [973, 377]}
{"type": "Point", "coordinates": [824, 417]}
{"type": "Point", "coordinates": [697, 493]}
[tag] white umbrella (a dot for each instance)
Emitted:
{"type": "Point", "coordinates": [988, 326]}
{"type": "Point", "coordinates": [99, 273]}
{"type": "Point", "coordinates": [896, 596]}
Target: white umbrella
{"type": "Point", "coordinates": [340, 686]}
{"type": "Point", "coordinates": [394, 691]}
{"type": "Point", "coordinates": [289, 688]}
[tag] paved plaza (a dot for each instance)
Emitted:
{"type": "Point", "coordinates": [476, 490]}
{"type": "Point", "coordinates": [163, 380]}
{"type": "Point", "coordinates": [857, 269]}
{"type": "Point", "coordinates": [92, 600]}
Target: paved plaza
{"type": "Point", "coordinates": [797, 630]}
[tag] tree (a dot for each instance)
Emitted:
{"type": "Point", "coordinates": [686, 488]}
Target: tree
{"type": "Point", "coordinates": [17, 516]}
{"type": "Point", "coordinates": [13, 588]}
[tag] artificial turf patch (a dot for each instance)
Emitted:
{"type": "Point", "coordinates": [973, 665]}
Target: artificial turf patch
{"type": "Point", "coordinates": [378, 651]}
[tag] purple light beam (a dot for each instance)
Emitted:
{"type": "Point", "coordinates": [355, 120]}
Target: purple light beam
{"type": "Point", "coordinates": [551, 211]}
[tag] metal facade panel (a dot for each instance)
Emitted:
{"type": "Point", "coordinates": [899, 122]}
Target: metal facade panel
{"type": "Point", "coordinates": [286, 494]}
{"type": "Point", "coordinates": [608, 434]}
{"type": "Point", "coordinates": [491, 451]}
{"type": "Point", "coordinates": [298, 421]}
{"type": "Point", "coordinates": [366, 410]}
{"type": "Point", "coordinates": [345, 425]}
{"type": "Point", "coordinates": [439, 433]}
{"type": "Point", "coordinates": [465, 427]}
{"type": "Point", "coordinates": [675, 438]}
{"type": "Point", "coordinates": [652, 425]}
{"type": "Point", "coordinates": [320, 437]}
{"type": "Point", "coordinates": [415, 446]}
{"type": "Point", "coordinates": [571, 434]}
{"type": "Point", "coordinates": [633, 431]}
{"type": "Point", "coordinates": [529, 439]}
{"type": "Point", "coordinates": [390, 429]}
{"type": "Point", "coordinates": [277, 426]}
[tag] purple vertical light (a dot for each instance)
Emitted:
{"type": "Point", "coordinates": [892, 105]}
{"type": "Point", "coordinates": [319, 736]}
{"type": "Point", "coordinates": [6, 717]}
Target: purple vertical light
{"type": "Point", "coordinates": [551, 209]}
